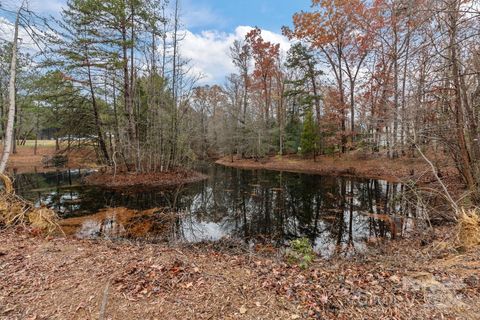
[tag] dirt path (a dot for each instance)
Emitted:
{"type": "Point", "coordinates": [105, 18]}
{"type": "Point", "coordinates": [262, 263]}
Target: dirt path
{"type": "Point", "coordinates": [74, 279]}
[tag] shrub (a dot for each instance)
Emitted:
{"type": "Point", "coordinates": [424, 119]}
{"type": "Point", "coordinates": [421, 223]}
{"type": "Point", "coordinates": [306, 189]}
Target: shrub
{"type": "Point", "coordinates": [300, 252]}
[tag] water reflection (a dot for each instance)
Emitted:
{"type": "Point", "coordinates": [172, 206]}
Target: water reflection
{"type": "Point", "coordinates": [336, 214]}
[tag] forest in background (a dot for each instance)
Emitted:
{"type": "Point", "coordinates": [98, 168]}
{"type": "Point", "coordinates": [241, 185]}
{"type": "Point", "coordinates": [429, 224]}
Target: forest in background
{"type": "Point", "coordinates": [366, 121]}
{"type": "Point", "coordinates": [389, 78]}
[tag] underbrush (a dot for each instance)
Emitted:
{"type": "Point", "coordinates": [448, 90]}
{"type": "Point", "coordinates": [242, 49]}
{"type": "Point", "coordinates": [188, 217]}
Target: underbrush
{"type": "Point", "coordinates": [15, 211]}
{"type": "Point", "coordinates": [300, 253]}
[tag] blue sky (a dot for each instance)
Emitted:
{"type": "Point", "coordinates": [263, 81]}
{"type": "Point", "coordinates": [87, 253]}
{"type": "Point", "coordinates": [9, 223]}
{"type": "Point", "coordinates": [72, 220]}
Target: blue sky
{"type": "Point", "coordinates": [211, 26]}
{"type": "Point", "coordinates": [221, 15]}
{"type": "Point", "coordinates": [226, 15]}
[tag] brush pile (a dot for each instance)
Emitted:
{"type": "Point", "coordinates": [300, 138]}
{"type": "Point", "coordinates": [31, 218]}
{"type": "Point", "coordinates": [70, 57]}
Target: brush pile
{"type": "Point", "coordinates": [15, 211]}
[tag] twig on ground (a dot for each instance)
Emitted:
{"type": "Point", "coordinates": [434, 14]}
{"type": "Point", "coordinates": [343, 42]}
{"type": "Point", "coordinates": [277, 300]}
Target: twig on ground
{"type": "Point", "coordinates": [103, 307]}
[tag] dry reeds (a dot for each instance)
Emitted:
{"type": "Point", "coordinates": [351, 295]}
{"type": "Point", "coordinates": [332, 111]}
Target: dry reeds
{"type": "Point", "coordinates": [468, 228]}
{"type": "Point", "coordinates": [15, 211]}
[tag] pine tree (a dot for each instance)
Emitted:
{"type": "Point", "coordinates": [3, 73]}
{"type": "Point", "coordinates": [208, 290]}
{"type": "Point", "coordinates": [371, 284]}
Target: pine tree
{"type": "Point", "coordinates": [308, 142]}
{"type": "Point", "coordinates": [304, 87]}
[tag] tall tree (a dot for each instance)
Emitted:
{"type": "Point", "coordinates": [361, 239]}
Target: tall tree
{"type": "Point", "coordinates": [265, 55]}
{"type": "Point", "coordinates": [340, 30]}
{"type": "Point", "coordinates": [309, 139]}
{"type": "Point", "coordinates": [7, 146]}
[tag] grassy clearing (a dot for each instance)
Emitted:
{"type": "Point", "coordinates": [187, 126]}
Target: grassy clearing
{"type": "Point", "coordinates": [40, 143]}
{"type": "Point", "coordinates": [31, 144]}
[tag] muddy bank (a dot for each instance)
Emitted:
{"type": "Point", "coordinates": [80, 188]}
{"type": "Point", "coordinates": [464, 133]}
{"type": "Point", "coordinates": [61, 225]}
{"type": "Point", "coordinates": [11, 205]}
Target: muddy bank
{"type": "Point", "coordinates": [144, 180]}
{"type": "Point", "coordinates": [396, 170]}
{"type": "Point", "coordinates": [71, 279]}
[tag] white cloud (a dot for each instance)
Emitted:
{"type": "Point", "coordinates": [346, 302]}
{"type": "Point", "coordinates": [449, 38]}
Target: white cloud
{"type": "Point", "coordinates": [6, 34]}
{"type": "Point", "coordinates": [6, 29]}
{"type": "Point", "coordinates": [209, 51]}
{"type": "Point", "coordinates": [45, 7]}
{"type": "Point", "coordinates": [53, 7]}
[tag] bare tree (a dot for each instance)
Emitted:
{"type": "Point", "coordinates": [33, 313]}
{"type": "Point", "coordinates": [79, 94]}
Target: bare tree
{"type": "Point", "coordinates": [7, 146]}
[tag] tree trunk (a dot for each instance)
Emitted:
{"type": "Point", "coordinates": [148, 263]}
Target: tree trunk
{"type": "Point", "coordinates": [7, 146]}
{"type": "Point", "coordinates": [98, 127]}
{"type": "Point", "coordinates": [465, 157]}
{"type": "Point", "coordinates": [394, 153]}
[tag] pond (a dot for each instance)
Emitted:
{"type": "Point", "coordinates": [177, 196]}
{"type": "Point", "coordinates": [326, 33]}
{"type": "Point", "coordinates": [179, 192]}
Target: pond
{"type": "Point", "coordinates": [256, 206]}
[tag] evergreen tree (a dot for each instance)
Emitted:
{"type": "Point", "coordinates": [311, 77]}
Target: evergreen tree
{"type": "Point", "coordinates": [293, 133]}
{"type": "Point", "coordinates": [308, 141]}
{"type": "Point", "coordinates": [304, 87]}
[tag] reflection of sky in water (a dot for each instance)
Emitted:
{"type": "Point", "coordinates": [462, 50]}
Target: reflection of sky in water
{"type": "Point", "coordinates": [245, 204]}
{"type": "Point", "coordinates": [198, 231]}
{"type": "Point", "coordinates": [89, 229]}
{"type": "Point", "coordinates": [109, 228]}
{"type": "Point", "coordinates": [62, 202]}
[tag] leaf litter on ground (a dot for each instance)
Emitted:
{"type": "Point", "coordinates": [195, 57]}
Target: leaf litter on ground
{"type": "Point", "coordinates": [64, 278]}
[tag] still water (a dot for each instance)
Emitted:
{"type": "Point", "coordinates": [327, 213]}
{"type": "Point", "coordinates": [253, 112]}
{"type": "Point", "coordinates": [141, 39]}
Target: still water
{"type": "Point", "coordinates": [255, 206]}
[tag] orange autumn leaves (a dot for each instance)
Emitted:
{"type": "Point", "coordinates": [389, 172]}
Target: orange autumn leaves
{"type": "Point", "coordinates": [266, 56]}
{"type": "Point", "coordinates": [264, 53]}
{"type": "Point", "coordinates": [337, 24]}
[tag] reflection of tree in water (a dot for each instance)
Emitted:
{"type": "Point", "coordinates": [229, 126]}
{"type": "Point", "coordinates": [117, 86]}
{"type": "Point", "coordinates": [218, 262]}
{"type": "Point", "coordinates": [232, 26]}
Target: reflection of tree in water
{"type": "Point", "coordinates": [249, 204]}
{"type": "Point", "coordinates": [330, 211]}
{"type": "Point", "coordinates": [56, 189]}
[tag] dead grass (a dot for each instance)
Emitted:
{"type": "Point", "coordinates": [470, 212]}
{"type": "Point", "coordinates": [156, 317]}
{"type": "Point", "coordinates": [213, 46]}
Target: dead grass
{"type": "Point", "coordinates": [44, 219]}
{"type": "Point", "coordinates": [466, 235]}
{"type": "Point", "coordinates": [468, 228]}
{"type": "Point", "coordinates": [15, 211]}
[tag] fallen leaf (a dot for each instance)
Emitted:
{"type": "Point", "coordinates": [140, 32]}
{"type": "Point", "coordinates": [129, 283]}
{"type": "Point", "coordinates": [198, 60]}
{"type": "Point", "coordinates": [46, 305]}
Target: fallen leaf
{"type": "Point", "coordinates": [324, 298]}
{"type": "Point", "coordinates": [157, 267]}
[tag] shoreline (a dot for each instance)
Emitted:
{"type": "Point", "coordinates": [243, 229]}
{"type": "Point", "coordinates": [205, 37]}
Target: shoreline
{"type": "Point", "coordinates": [24, 162]}
{"type": "Point", "coordinates": [144, 180]}
{"type": "Point", "coordinates": [397, 170]}
{"type": "Point", "coordinates": [382, 168]}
